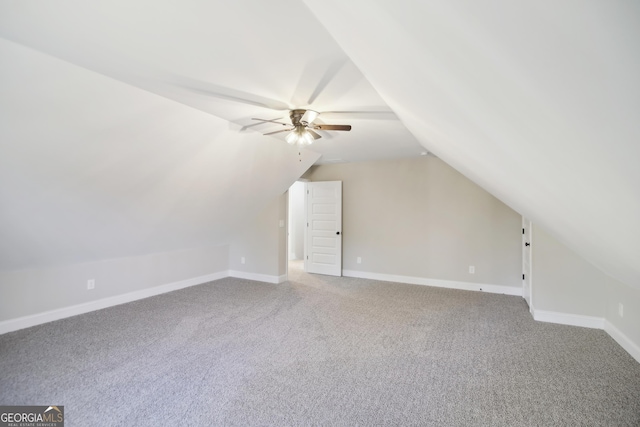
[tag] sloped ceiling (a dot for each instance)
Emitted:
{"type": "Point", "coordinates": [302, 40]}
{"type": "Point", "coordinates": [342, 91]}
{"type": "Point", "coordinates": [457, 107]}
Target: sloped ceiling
{"type": "Point", "coordinates": [91, 168]}
{"type": "Point", "coordinates": [538, 102]}
{"type": "Point", "coordinates": [126, 126]}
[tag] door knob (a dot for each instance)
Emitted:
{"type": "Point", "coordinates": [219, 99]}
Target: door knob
{"type": "Point", "coordinates": [337, 232]}
{"type": "Point", "coordinates": [527, 244]}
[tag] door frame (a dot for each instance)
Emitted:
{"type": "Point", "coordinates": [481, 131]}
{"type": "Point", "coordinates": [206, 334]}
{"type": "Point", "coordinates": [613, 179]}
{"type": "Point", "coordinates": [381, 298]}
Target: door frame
{"type": "Point", "coordinates": [527, 259]}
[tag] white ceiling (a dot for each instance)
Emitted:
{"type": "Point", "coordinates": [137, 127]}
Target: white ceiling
{"type": "Point", "coordinates": [125, 122]}
{"type": "Point", "coordinates": [223, 58]}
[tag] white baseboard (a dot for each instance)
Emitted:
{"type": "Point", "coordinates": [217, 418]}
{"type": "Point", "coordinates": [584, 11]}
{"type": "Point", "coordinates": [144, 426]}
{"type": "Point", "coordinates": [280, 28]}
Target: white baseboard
{"type": "Point", "coordinates": [568, 319]}
{"type": "Point", "coordinates": [540, 315]}
{"type": "Point", "coordinates": [632, 348]}
{"type": "Point", "coordinates": [258, 277]}
{"type": "Point", "coordinates": [543, 316]}
{"type": "Point", "coordinates": [61, 313]}
{"type": "Point", "coordinates": [590, 322]}
{"type": "Point", "coordinates": [467, 286]}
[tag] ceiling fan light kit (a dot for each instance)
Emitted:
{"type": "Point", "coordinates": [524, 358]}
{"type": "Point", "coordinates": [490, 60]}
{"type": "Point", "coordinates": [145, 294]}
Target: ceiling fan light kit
{"type": "Point", "coordinates": [301, 131]}
{"type": "Point", "coordinates": [299, 135]}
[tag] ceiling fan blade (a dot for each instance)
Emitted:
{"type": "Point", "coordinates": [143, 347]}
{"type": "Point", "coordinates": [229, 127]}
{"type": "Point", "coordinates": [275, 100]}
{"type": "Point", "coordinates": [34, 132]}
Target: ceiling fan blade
{"type": "Point", "coordinates": [327, 77]}
{"type": "Point", "coordinates": [217, 91]}
{"type": "Point", "coordinates": [315, 135]}
{"type": "Point", "coordinates": [315, 77]}
{"type": "Point", "coordinates": [365, 115]}
{"type": "Point", "coordinates": [271, 121]}
{"type": "Point", "coordinates": [309, 116]}
{"type": "Point", "coordinates": [242, 122]}
{"type": "Point", "coordinates": [333, 127]}
{"type": "Point", "coordinates": [278, 131]}
{"type": "Point", "coordinates": [245, 127]}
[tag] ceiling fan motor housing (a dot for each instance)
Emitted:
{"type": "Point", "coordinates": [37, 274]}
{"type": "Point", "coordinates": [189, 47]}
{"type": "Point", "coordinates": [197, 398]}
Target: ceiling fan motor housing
{"type": "Point", "coordinates": [296, 115]}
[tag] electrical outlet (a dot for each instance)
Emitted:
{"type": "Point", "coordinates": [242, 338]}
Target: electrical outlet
{"type": "Point", "coordinates": [620, 309]}
{"type": "Point", "coordinates": [472, 269]}
{"type": "Point", "coordinates": [91, 284]}
{"type": "Point", "coordinates": [359, 260]}
{"type": "Point", "coordinates": [242, 260]}
{"type": "Point", "coordinates": [282, 223]}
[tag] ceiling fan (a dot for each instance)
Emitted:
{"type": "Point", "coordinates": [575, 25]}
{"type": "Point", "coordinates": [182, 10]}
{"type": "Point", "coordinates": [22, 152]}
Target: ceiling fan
{"type": "Point", "coordinates": [302, 128]}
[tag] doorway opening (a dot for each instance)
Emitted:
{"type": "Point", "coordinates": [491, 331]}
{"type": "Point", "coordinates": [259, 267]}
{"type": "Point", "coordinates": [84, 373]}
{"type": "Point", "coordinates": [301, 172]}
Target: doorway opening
{"type": "Point", "coordinates": [296, 227]}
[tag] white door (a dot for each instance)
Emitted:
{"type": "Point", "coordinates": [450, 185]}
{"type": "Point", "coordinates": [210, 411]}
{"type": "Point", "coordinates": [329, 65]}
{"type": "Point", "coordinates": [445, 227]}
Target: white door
{"type": "Point", "coordinates": [324, 228]}
{"type": "Point", "coordinates": [526, 260]}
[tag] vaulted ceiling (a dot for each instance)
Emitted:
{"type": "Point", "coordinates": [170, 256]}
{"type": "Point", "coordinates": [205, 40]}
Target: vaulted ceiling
{"type": "Point", "coordinates": [126, 126]}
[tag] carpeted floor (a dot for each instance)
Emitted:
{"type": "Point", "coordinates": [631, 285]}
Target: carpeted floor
{"type": "Point", "coordinates": [321, 350]}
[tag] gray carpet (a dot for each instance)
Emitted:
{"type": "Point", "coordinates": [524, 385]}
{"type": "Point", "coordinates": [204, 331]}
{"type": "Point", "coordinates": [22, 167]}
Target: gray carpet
{"type": "Point", "coordinates": [321, 351]}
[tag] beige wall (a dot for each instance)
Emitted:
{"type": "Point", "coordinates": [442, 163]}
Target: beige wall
{"type": "Point", "coordinates": [27, 292]}
{"type": "Point", "coordinates": [563, 281]}
{"type": "Point", "coordinates": [629, 323]}
{"type": "Point", "coordinates": [419, 217]}
{"type": "Point", "coordinates": [262, 242]}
